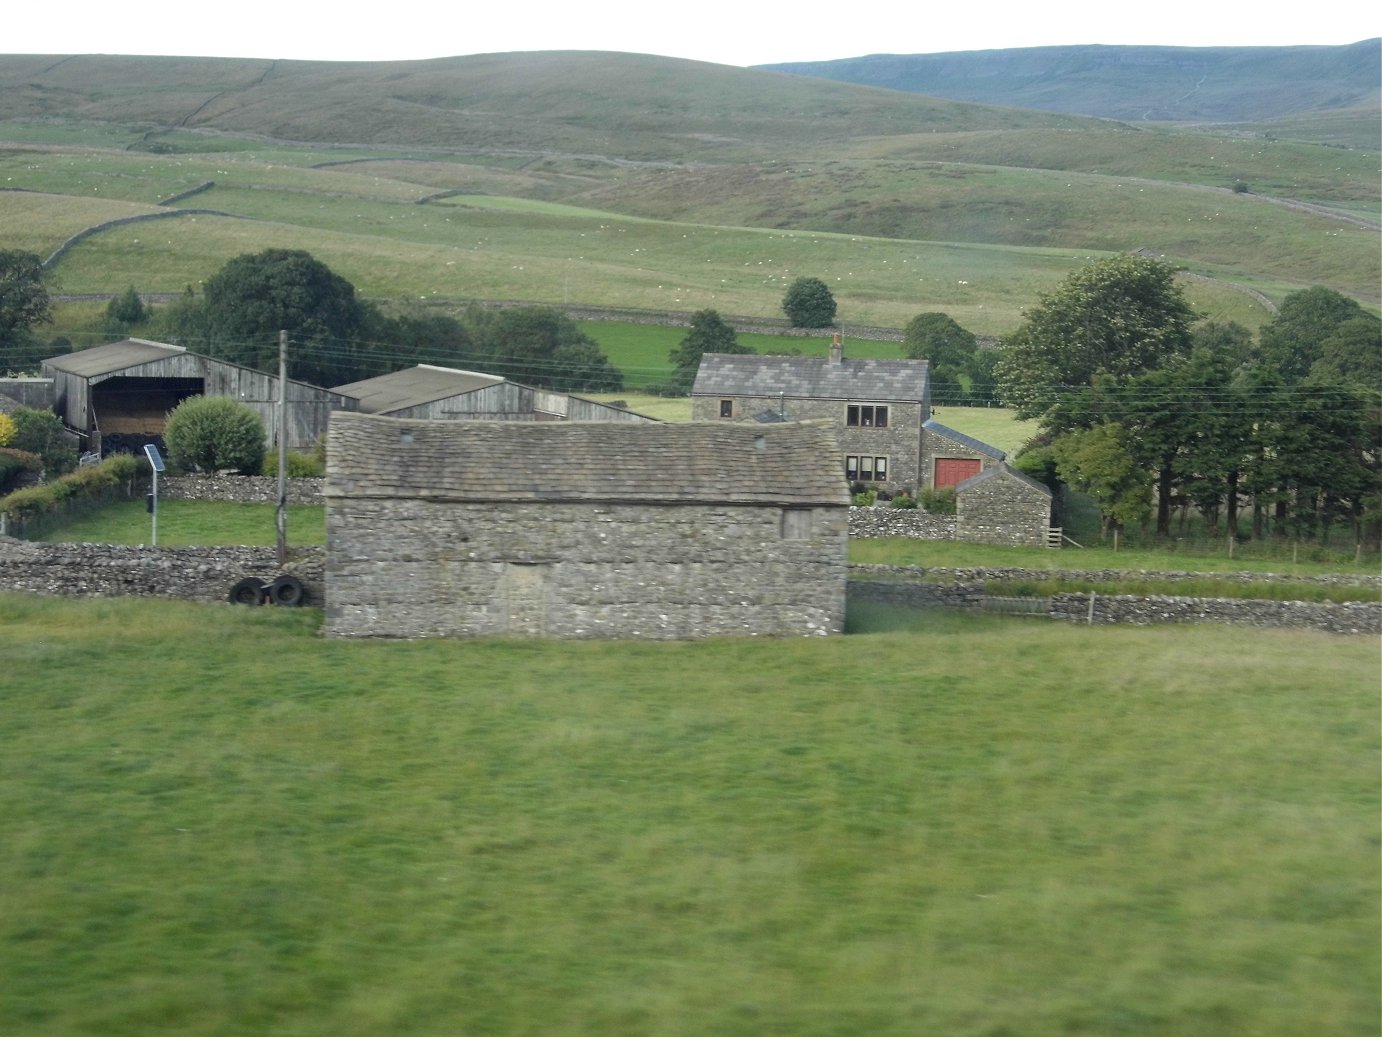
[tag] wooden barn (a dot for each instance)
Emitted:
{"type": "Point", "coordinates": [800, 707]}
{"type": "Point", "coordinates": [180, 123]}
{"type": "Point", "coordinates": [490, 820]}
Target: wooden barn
{"type": "Point", "coordinates": [117, 396]}
{"type": "Point", "coordinates": [583, 530]}
{"type": "Point", "coordinates": [449, 394]}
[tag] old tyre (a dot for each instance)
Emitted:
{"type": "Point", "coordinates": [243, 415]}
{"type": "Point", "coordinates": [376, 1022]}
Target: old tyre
{"type": "Point", "coordinates": [248, 591]}
{"type": "Point", "coordinates": [287, 591]}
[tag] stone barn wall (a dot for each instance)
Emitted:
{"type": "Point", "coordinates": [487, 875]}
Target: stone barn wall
{"type": "Point", "coordinates": [409, 568]}
{"type": "Point", "coordinates": [1001, 506]}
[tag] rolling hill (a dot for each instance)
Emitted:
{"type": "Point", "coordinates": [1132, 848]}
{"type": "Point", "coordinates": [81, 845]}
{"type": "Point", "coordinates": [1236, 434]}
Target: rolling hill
{"type": "Point", "coordinates": [640, 182]}
{"type": "Point", "coordinates": [1168, 84]}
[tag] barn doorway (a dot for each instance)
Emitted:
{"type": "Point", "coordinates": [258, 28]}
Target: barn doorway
{"type": "Point", "coordinates": [524, 589]}
{"type": "Point", "coordinates": [951, 471]}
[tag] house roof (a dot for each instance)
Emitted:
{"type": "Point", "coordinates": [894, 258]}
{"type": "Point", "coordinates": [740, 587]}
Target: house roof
{"type": "Point", "coordinates": [111, 357]}
{"type": "Point", "coordinates": [978, 445]}
{"type": "Point", "coordinates": [722, 462]}
{"type": "Point", "coordinates": [1003, 470]}
{"type": "Point", "coordinates": [807, 377]}
{"type": "Point", "coordinates": [413, 387]}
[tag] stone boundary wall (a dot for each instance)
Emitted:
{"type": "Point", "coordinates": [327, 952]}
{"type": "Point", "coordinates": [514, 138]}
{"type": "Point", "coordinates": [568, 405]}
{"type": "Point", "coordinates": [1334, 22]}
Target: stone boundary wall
{"type": "Point", "coordinates": [965, 589]}
{"type": "Point", "coordinates": [982, 574]}
{"type": "Point", "coordinates": [242, 489]}
{"type": "Point", "coordinates": [115, 570]}
{"type": "Point", "coordinates": [900, 522]}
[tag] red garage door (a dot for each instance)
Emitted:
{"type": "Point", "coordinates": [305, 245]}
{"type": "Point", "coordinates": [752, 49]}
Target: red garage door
{"type": "Point", "coordinates": [953, 470]}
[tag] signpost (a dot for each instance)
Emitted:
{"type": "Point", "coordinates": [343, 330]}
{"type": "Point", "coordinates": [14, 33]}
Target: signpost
{"type": "Point", "coordinates": [156, 463]}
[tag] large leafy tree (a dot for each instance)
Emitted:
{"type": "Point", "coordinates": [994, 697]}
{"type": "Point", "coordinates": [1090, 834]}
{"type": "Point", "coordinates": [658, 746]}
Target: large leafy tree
{"type": "Point", "coordinates": [949, 351]}
{"type": "Point", "coordinates": [1120, 316]}
{"type": "Point", "coordinates": [539, 346]}
{"type": "Point", "coordinates": [253, 297]}
{"type": "Point", "coordinates": [1294, 339]}
{"type": "Point", "coordinates": [24, 302]}
{"type": "Point", "coordinates": [809, 303]}
{"type": "Point", "coordinates": [709, 334]}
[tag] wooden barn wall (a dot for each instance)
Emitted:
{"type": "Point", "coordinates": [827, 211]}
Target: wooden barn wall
{"type": "Point", "coordinates": [502, 402]}
{"type": "Point", "coordinates": [309, 408]}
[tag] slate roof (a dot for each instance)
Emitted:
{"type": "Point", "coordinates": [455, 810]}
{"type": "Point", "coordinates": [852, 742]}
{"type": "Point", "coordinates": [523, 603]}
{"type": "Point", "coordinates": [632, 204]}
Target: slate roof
{"type": "Point", "coordinates": [414, 387]}
{"type": "Point", "coordinates": [112, 357]}
{"type": "Point", "coordinates": [978, 445]}
{"type": "Point", "coordinates": [1003, 469]}
{"type": "Point", "coordinates": [721, 462]}
{"type": "Point", "coordinates": [809, 377]}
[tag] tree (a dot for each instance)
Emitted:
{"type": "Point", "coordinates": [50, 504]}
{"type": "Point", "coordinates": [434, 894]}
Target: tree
{"type": "Point", "coordinates": [809, 304]}
{"type": "Point", "coordinates": [122, 313]}
{"type": "Point", "coordinates": [708, 334]}
{"type": "Point", "coordinates": [539, 346]}
{"type": "Point", "coordinates": [1293, 340]}
{"type": "Point", "coordinates": [211, 433]}
{"type": "Point", "coordinates": [1352, 353]}
{"type": "Point", "coordinates": [40, 432]}
{"type": "Point", "coordinates": [939, 340]}
{"type": "Point", "coordinates": [1098, 461]}
{"type": "Point", "coordinates": [1123, 316]}
{"type": "Point", "coordinates": [24, 302]}
{"type": "Point", "coordinates": [253, 297]}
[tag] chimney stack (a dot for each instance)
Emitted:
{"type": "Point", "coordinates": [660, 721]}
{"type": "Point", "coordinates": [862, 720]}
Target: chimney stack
{"type": "Point", "coordinates": [837, 351]}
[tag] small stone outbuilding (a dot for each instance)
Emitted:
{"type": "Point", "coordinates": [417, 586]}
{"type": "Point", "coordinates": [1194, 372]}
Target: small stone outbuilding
{"type": "Point", "coordinates": [1003, 506]}
{"type": "Point", "coordinates": [583, 530]}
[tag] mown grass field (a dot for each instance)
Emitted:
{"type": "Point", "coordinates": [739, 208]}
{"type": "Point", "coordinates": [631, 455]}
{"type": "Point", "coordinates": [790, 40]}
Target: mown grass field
{"type": "Point", "coordinates": [213, 821]}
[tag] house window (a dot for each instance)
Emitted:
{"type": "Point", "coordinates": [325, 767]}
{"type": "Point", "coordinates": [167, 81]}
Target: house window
{"type": "Point", "coordinates": [866, 415]}
{"type": "Point", "coordinates": [726, 408]}
{"type": "Point", "coordinates": [863, 468]}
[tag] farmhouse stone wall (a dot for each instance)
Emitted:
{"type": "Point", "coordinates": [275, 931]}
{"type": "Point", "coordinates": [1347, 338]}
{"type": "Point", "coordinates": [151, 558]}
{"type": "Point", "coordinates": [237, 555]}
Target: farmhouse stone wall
{"type": "Point", "coordinates": [414, 568]}
{"type": "Point", "coordinates": [113, 570]}
{"type": "Point", "coordinates": [899, 441]}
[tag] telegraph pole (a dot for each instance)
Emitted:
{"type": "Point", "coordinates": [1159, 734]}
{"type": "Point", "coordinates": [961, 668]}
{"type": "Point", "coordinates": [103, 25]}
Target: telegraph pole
{"type": "Point", "coordinates": [282, 517]}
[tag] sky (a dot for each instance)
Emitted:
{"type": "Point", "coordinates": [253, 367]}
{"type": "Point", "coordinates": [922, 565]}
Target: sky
{"type": "Point", "coordinates": [728, 32]}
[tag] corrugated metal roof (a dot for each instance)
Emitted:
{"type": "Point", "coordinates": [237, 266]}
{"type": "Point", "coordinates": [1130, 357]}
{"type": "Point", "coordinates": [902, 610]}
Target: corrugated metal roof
{"type": "Point", "coordinates": [413, 387]}
{"type": "Point", "coordinates": [810, 378]}
{"type": "Point", "coordinates": [112, 357]}
{"type": "Point", "coordinates": [721, 462]}
{"type": "Point", "coordinates": [978, 445]}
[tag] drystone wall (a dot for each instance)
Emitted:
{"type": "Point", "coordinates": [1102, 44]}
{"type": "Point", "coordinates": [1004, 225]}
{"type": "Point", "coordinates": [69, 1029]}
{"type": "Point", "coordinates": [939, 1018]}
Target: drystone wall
{"type": "Point", "coordinates": [114, 570]}
{"type": "Point", "coordinates": [965, 588]}
{"type": "Point", "coordinates": [244, 489]}
{"type": "Point", "coordinates": [410, 568]}
{"type": "Point", "coordinates": [900, 522]}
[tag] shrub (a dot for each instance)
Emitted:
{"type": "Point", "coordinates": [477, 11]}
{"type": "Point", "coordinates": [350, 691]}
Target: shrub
{"type": "Point", "coordinates": [904, 501]}
{"type": "Point", "coordinates": [938, 502]}
{"type": "Point", "coordinates": [865, 499]}
{"type": "Point", "coordinates": [212, 433]}
{"type": "Point", "coordinates": [7, 429]}
{"type": "Point", "coordinates": [300, 465]}
{"type": "Point", "coordinates": [40, 432]}
{"type": "Point", "coordinates": [14, 463]}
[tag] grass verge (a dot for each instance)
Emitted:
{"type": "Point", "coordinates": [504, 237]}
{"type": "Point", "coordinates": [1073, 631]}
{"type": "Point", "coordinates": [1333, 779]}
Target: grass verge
{"type": "Point", "coordinates": [212, 821]}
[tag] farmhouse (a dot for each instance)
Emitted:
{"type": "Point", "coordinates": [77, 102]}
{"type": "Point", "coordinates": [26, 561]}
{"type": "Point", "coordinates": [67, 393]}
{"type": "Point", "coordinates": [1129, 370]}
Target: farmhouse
{"type": "Point", "coordinates": [117, 396]}
{"type": "Point", "coordinates": [583, 530]}
{"type": "Point", "coordinates": [877, 407]}
{"type": "Point", "coordinates": [446, 393]}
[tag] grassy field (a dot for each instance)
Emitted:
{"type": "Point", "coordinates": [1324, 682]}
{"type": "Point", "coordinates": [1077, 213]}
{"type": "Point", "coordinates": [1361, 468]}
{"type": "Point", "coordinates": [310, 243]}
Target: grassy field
{"type": "Point", "coordinates": [212, 821]}
{"type": "Point", "coordinates": [185, 523]}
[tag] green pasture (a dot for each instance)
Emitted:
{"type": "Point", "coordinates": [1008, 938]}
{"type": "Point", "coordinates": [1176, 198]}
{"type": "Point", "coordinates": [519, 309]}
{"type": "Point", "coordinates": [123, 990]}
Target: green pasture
{"type": "Point", "coordinates": [214, 821]}
{"type": "Point", "coordinates": [184, 523]}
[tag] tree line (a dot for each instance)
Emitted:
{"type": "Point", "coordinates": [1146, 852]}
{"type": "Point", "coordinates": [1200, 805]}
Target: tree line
{"type": "Point", "coordinates": [1151, 411]}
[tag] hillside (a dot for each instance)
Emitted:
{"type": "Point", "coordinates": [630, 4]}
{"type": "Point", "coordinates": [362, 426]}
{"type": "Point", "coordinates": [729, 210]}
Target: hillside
{"type": "Point", "coordinates": [1170, 84]}
{"type": "Point", "coordinates": [638, 182]}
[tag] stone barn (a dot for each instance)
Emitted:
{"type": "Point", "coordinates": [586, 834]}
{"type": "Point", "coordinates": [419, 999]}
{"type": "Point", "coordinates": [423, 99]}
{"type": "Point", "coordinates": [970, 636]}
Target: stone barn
{"type": "Point", "coordinates": [583, 530]}
{"type": "Point", "coordinates": [1003, 506]}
